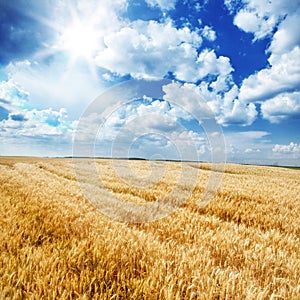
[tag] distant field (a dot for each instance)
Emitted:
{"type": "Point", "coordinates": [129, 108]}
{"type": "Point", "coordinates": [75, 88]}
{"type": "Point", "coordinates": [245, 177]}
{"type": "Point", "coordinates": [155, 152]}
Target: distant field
{"type": "Point", "coordinates": [55, 245]}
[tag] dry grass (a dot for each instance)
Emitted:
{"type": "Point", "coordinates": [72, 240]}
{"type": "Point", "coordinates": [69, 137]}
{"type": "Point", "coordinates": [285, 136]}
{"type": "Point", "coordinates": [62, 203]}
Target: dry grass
{"type": "Point", "coordinates": [55, 245]}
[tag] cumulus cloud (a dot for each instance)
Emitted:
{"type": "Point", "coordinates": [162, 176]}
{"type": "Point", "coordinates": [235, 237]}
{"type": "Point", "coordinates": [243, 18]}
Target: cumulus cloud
{"type": "Point", "coordinates": [291, 148]}
{"type": "Point", "coordinates": [209, 33]}
{"type": "Point", "coordinates": [141, 49]}
{"type": "Point", "coordinates": [283, 75]}
{"type": "Point", "coordinates": [23, 122]}
{"type": "Point", "coordinates": [163, 4]}
{"type": "Point", "coordinates": [255, 23]}
{"type": "Point", "coordinates": [207, 63]}
{"type": "Point", "coordinates": [152, 50]}
{"type": "Point", "coordinates": [188, 97]}
{"type": "Point", "coordinates": [287, 37]}
{"type": "Point", "coordinates": [261, 17]}
{"type": "Point", "coordinates": [238, 113]}
{"type": "Point", "coordinates": [281, 107]}
{"type": "Point", "coordinates": [149, 49]}
{"type": "Point", "coordinates": [277, 86]}
{"type": "Point", "coordinates": [206, 101]}
{"type": "Point", "coordinates": [147, 126]}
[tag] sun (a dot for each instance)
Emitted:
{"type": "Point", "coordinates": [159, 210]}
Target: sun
{"type": "Point", "coordinates": [79, 39]}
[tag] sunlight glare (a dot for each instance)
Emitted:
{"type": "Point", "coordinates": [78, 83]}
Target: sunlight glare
{"type": "Point", "coordinates": [80, 40]}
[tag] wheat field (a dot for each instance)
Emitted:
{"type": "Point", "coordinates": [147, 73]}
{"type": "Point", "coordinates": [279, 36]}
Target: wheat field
{"type": "Point", "coordinates": [56, 245]}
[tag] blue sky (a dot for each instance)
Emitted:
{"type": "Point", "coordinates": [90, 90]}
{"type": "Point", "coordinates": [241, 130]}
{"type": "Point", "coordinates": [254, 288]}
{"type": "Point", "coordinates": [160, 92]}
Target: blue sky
{"type": "Point", "coordinates": [240, 57]}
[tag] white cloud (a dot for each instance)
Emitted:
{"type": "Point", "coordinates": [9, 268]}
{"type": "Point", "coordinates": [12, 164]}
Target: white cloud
{"type": "Point", "coordinates": [261, 17]}
{"type": "Point", "coordinates": [101, 14]}
{"type": "Point", "coordinates": [232, 5]}
{"type": "Point", "coordinates": [224, 107]}
{"type": "Point", "coordinates": [238, 113]}
{"type": "Point", "coordinates": [286, 154]}
{"type": "Point", "coordinates": [275, 87]}
{"type": "Point", "coordinates": [143, 128]}
{"type": "Point", "coordinates": [13, 94]}
{"type": "Point", "coordinates": [247, 140]}
{"type": "Point", "coordinates": [287, 37]}
{"type": "Point", "coordinates": [251, 135]}
{"type": "Point", "coordinates": [26, 126]}
{"type": "Point", "coordinates": [150, 50]}
{"type": "Point", "coordinates": [291, 148]}
{"type": "Point", "coordinates": [206, 63]}
{"type": "Point", "coordinates": [281, 107]}
{"type": "Point", "coordinates": [163, 4]}
{"type": "Point", "coordinates": [209, 33]}
{"type": "Point", "coordinates": [283, 75]}
{"type": "Point", "coordinates": [54, 76]}
{"type": "Point", "coordinates": [142, 49]}
{"type": "Point", "coordinates": [255, 23]}
{"type": "Point", "coordinates": [187, 96]}
{"type": "Point", "coordinates": [247, 21]}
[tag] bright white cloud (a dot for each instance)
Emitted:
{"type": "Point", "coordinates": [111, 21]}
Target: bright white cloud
{"type": "Point", "coordinates": [141, 49]}
{"type": "Point", "coordinates": [232, 5]}
{"type": "Point", "coordinates": [238, 113]}
{"type": "Point", "coordinates": [13, 95]}
{"type": "Point", "coordinates": [150, 49]}
{"type": "Point", "coordinates": [101, 14]}
{"type": "Point", "coordinates": [287, 37]}
{"type": "Point", "coordinates": [283, 75]}
{"type": "Point", "coordinates": [286, 154]}
{"type": "Point", "coordinates": [247, 21]}
{"type": "Point", "coordinates": [254, 23]}
{"type": "Point", "coordinates": [281, 107]}
{"type": "Point", "coordinates": [291, 148]}
{"type": "Point", "coordinates": [206, 63]}
{"type": "Point", "coordinates": [224, 107]}
{"type": "Point", "coordinates": [141, 128]}
{"type": "Point", "coordinates": [188, 97]}
{"type": "Point", "coordinates": [260, 17]}
{"type": "Point", "coordinates": [209, 33]}
{"type": "Point", "coordinates": [37, 128]}
{"type": "Point", "coordinates": [277, 86]}
{"type": "Point", "coordinates": [163, 4]}
{"type": "Point", "coordinates": [63, 73]}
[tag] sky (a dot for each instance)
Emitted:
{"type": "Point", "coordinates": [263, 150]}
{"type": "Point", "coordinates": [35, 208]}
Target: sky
{"type": "Point", "coordinates": [236, 61]}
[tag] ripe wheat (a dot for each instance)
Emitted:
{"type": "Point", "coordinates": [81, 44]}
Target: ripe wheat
{"type": "Point", "coordinates": [56, 245]}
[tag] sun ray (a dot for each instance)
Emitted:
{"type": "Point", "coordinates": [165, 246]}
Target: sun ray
{"type": "Point", "coordinates": [77, 38]}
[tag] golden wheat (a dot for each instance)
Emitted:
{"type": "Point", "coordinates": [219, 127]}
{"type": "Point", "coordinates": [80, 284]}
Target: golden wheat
{"type": "Point", "coordinates": [56, 245]}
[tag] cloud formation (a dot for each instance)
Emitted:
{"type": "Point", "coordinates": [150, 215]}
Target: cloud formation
{"type": "Point", "coordinates": [43, 72]}
{"type": "Point", "coordinates": [277, 86]}
{"type": "Point", "coordinates": [26, 126]}
{"type": "Point", "coordinates": [163, 4]}
{"type": "Point", "coordinates": [150, 50]}
{"type": "Point", "coordinates": [282, 107]}
{"type": "Point", "coordinates": [291, 148]}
